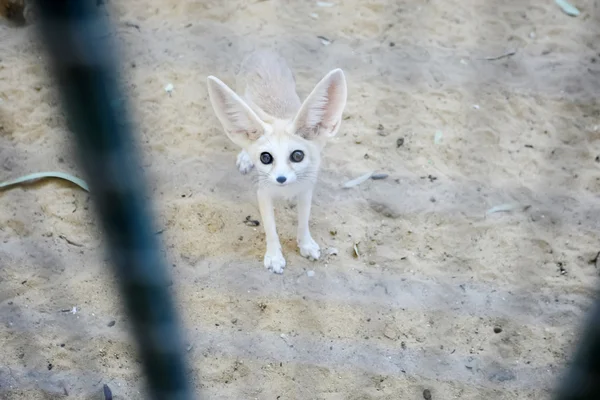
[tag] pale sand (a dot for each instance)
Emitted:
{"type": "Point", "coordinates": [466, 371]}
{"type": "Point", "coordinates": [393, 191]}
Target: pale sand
{"type": "Point", "coordinates": [417, 310]}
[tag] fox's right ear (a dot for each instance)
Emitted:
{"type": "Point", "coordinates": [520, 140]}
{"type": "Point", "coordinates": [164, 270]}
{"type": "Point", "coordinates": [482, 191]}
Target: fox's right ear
{"type": "Point", "coordinates": [241, 124]}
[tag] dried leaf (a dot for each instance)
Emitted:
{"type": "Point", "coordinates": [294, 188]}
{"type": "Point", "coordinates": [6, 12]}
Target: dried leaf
{"type": "Point", "coordinates": [356, 252]}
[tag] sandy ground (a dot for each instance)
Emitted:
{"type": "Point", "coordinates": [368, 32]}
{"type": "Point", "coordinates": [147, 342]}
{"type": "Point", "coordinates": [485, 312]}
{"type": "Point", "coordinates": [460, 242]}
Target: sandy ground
{"type": "Point", "coordinates": [418, 309]}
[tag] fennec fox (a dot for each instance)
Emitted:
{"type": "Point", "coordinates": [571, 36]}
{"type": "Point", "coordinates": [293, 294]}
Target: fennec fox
{"type": "Point", "coordinates": [281, 137]}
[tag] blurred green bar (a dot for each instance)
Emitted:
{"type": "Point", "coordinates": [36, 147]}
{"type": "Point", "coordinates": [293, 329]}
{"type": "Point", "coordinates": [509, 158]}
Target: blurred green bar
{"type": "Point", "coordinates": [81, 55]}
{"type": "Point", "coordinates": [582, 378]}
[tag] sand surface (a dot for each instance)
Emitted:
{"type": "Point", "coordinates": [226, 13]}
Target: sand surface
{"type": "Point", "coordinates": [418, 308]}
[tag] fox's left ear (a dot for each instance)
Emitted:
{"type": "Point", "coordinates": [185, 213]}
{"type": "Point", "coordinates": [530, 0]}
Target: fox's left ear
{"type": "Point", "coordinates": [321, 113]}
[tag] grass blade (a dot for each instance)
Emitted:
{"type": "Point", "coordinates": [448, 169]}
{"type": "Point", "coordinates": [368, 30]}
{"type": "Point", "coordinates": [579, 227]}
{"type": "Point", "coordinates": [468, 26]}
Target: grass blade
{"type": "Point", "coordinates": [26, 179]}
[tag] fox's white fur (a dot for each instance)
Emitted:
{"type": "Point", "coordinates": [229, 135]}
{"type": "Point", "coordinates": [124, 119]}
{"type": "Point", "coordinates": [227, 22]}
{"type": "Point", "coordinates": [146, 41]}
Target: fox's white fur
{"type": "Point", "coordinates": [269, 118]}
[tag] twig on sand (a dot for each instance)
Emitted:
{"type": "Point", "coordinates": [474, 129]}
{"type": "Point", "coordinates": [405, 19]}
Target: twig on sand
{"type": "Point", "coordinates": [70, 241]}
{"type": "Point", "coordinates": [132, 25]}
{"type": "Point", "coordinates": [505, 55]}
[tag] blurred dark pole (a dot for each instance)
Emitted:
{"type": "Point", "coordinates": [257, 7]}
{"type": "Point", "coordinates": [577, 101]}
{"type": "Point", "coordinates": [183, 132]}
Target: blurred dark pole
{"type": "Point", "coordinates": [82, 58]}
{"type": "Point", "coordinates": [582, 378]}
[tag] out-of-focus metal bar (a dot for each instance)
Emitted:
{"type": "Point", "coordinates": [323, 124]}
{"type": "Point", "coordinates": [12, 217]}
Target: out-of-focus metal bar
{"type": "Point", "coordinates": [582, 378]}
{"type": "Point", "coordinates": [83, 61]}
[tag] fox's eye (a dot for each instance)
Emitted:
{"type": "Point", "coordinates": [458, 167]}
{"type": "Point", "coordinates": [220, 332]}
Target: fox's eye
{"type": "Point", "coordinates": [266, 158]}
{"type": "Point", "coordinates": [297, 156]}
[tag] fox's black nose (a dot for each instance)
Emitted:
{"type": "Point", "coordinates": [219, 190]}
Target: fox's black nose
{"type": "Point", "coordinates": [281, 179]}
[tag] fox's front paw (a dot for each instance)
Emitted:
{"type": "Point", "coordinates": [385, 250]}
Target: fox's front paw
{"type": "Point", "coordinates": [309, 249]}
{"type": "Point", "coordinates": [244, 163]}
{"type": "Point", "coordinates": [274, 261]}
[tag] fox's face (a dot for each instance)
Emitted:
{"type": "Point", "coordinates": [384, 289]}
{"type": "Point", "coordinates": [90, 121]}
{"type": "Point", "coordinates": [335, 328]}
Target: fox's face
{"type": "Point", "coordinates": [283, 159]}
{"type": "Point", "coordinates": [284, 152]}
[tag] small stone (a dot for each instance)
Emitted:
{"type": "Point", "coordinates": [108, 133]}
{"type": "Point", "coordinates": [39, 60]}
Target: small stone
{"type": "Point", "coordinates": [502, 375]}
{"type": "Point", "coordinates": [377, 177]}
{"type": "Point", "coordinates": [381, 131]}
{"type": "Point", "coordinates": [497, 329]}
{"type": "Point", "coordinates": [50, 366]}
{"type": "Point", "coordinates": [310, 274]}
{"type": "Point", "coordinates": [596, 260]}
{"type": "Point", "coordinates": [390, 332]}
{"type": "Point", "coordinates": [392, 44]}
{"type": "Point", "coordinates": [111, 324]}
{"type": "Point", "coordinates": [324, 40]}
{"type": "Point", "coordinates": [385, 209]}
{"type": "Point", "coordinates": [251, 222]}
{"type": "Point", "coordinates": [427, 394]}
{"type": "Point", "coordinates": [399, 142]}
{"type": "Point", "coordinates": [234, 321]}
{"type": "Point", "coordinates": [9, 163]}
{"type": "Point", "coordinates": [332, 251]}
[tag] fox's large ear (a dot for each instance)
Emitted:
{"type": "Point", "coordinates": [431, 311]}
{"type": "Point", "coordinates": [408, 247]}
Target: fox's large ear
{"type": "Point", "coordinates": [241, 124]}
{"type": "Point", "coordinates": [321, 113]}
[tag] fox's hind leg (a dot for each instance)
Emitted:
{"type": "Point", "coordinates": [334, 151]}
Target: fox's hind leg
{"type": "Point", "coordinates": [244, 163]}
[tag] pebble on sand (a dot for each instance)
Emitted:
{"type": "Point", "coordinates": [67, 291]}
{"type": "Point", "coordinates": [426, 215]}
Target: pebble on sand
{"type": "Point", "coordinates": [377, 177]}
{"type": "Point", "coordinates": [385, 209]}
